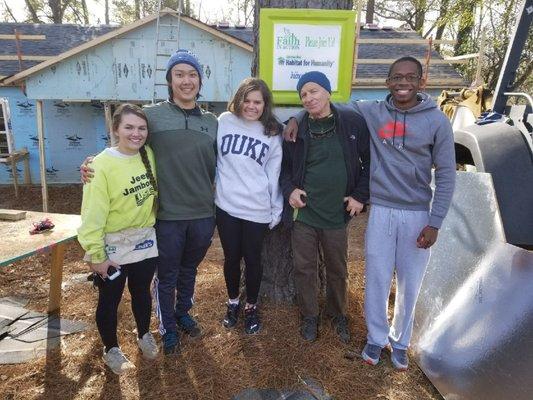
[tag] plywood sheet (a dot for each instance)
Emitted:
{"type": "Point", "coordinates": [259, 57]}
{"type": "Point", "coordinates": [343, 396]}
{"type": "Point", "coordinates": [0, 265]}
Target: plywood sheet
{"type": "Point", "coordinates": [17, 243]}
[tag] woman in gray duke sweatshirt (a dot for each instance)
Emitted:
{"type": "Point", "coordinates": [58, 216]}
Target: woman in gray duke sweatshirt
{"type": "Point", "coordinates": [248, 197]}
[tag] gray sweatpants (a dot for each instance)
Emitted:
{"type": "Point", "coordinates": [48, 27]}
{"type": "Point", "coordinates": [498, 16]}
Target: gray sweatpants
{"type": "Point", "coordinates": [390, 245]}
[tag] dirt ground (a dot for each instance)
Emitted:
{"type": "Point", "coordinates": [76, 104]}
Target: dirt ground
{"type": "Point", "coordinates": [218, 365]}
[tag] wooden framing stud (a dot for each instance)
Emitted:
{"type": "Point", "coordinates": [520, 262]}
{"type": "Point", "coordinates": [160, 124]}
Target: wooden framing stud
{"type": "Point", "coordinates": [42, 158]}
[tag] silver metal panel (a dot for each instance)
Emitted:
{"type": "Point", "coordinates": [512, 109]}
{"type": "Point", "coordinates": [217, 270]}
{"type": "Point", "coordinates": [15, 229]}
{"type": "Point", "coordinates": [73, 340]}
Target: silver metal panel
{"type": "Point", "coordinates": [502, 151]}
{"type": "Point", "coordinates": [474, 319]}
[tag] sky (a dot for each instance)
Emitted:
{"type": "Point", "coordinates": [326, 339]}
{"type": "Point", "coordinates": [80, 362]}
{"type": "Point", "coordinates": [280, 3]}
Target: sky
{"type": "Point", "coordinates": [209, 10]}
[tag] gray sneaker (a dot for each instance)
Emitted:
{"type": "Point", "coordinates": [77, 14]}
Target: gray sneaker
{"type": "Point", "coordinates": [148, 346]}
{"type": "Point", "coordinates": [117, 361]}
{"type": "Point", "coordinates": [399, 359]}
{"type": "Point", "coordinates": [309, 328]}
{"type": "Point", "coordinates": [371, 354]}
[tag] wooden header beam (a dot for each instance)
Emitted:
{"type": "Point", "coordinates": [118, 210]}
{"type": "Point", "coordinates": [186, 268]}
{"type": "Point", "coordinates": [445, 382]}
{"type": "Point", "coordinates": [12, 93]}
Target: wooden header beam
{"type": "Point", "coordinates": [23, 37]}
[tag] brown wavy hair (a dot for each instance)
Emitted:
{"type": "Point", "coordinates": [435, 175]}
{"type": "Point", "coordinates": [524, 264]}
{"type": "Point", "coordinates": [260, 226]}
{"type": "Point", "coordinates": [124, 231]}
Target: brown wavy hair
{"type": "Point", "coordinates": [269, 121]}
{"type": "Point", "coordinates": [125, 109]}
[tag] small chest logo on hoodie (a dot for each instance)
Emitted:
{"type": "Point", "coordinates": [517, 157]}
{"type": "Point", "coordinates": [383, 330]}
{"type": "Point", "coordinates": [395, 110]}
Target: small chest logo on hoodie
{"type": "Point", "coordinates": [391, 131]}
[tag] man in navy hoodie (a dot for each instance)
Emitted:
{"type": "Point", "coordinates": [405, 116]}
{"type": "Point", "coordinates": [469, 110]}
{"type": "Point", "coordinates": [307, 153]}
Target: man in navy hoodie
{"type": "Point", "coordinates": [408, 136]}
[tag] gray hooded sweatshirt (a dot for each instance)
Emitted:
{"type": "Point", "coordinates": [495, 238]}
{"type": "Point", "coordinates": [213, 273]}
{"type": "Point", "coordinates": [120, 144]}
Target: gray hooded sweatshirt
{"type": "Point", "coordinates": [404, 146]}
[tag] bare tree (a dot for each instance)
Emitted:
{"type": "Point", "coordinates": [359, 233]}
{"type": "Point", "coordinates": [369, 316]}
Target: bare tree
{"type": "Point", "coordinates": [501, 17]}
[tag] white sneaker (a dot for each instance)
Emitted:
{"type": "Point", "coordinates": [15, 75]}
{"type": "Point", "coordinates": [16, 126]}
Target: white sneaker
{"type": "Point", "coordinates": [148, 346]}
{"type": "Point", "coordinates": [117, 361]}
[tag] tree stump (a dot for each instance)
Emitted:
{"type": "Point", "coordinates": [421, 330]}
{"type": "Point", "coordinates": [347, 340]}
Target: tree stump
{"type": "Point", "coordinates": [278, 283]}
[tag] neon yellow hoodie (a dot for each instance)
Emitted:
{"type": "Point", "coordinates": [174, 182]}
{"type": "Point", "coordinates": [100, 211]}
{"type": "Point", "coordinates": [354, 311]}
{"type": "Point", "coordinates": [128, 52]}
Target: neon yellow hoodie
{"type": "Point", "coordinates": [118, 197]}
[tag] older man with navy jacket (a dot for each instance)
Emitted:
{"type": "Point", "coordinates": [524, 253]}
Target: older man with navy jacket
{"type": "Point", "coordinates": [324, 179]}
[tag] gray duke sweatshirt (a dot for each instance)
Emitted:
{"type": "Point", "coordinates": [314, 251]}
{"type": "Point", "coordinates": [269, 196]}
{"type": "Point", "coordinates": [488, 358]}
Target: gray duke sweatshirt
{"type": "Point", "coordinates": [404, 146]}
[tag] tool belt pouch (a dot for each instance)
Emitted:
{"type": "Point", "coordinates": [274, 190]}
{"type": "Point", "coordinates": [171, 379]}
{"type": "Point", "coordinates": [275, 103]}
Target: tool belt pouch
{"type": "Point", "coordinates": [130, 245]}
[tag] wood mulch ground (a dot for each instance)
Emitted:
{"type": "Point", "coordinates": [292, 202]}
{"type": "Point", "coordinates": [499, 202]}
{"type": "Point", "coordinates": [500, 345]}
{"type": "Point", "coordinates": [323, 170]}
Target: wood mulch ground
{"type": "Point", "coordinates": [216, 366]}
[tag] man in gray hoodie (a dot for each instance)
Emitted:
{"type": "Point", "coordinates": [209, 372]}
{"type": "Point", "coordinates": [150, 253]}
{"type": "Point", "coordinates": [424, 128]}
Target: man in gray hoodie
{"type": "Point", "coordinates": [408, 135]}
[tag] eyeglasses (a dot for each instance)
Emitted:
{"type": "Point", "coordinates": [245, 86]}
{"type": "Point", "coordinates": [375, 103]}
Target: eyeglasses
{"type": "Point", "coordinates": [399, 78]}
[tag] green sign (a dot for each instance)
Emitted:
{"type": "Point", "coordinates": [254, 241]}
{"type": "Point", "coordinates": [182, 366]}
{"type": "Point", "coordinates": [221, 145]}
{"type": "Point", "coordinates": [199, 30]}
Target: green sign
{"type": "Point", "coordinates": [295, 41]}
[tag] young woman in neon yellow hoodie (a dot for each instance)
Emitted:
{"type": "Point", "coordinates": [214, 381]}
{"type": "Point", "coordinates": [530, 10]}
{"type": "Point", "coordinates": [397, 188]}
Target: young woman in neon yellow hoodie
{"type": "Point", "coordinates": [117, 233]}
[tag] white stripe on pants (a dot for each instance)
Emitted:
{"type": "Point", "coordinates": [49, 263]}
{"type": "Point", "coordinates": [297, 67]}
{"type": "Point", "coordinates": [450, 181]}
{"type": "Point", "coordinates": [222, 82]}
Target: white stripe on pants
{"type": "Point", "coordinates": [390, 244]}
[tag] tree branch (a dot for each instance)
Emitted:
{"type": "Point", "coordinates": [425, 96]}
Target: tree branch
{"type": "Point", "coordinates": [392, 14]}
{"type": "Point", "coordinates": [428, 32]}
{"type": "Point", "coordinates": [66, 3]}
{"type": "Point", "coordinates": [85, 12]}
{"type": "Point", "coordinates": [77, 15]}
{"type": "Point", "coordinates": [10, 12]}
{"type": "Point", "coordinates": [33, 13]}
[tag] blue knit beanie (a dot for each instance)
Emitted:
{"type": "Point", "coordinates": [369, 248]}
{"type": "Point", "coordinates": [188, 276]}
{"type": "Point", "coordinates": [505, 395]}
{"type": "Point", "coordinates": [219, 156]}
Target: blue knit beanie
{"type": "Point", "coordinates": [183, 56]}
{"type": "Point", "coordinates": [314, 76]}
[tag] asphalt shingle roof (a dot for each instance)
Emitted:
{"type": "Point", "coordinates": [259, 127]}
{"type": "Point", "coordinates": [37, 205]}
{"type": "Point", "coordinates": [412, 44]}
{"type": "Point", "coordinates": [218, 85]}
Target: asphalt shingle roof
{"type": "Point", "coordinates": [59, 38]}
{"type": "Point", "coordinates": [244, 34]}
{"type": "Point", "coordinates": [394, 51]}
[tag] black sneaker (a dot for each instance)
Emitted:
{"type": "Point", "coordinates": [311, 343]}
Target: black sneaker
{"type": "Point", "coordinates": [251, 320]}
{"type": "Point", "coordinates": [188, 325]}
{"type": "Point", "coordinates": [232, 315]}
{"type": "Point", "coordinates": [171, 343]}
{"type": "Point", "coordinates": [309, 328]}
{"type": "Point", "coordinates": [341, 328]}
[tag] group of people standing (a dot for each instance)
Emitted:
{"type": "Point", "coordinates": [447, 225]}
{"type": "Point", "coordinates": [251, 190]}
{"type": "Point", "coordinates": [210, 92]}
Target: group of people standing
{"type": "Point", "coordinates": [151, 203]}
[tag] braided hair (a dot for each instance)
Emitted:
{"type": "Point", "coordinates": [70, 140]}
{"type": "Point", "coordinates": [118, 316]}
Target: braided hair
{"type": "Point", "coordinates": [128, 108]}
